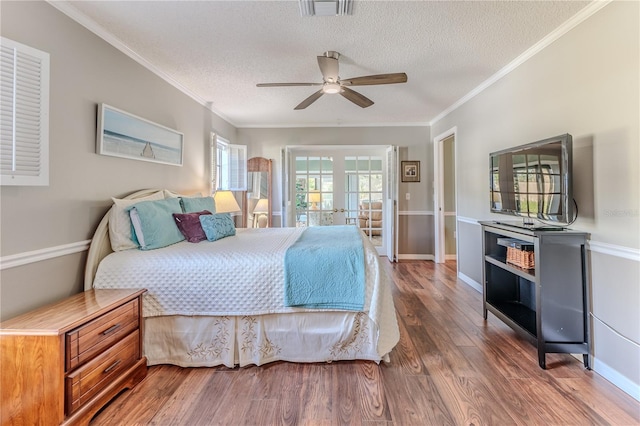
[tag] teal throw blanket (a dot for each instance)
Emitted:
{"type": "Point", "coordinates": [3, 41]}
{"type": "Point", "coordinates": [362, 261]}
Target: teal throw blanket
{"type": "Point", "coordinates": [324, 268]}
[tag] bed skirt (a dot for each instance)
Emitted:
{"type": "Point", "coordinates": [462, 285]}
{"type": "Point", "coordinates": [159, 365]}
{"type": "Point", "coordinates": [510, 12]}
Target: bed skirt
{"type": "Point", "coordinates": [201, 341]}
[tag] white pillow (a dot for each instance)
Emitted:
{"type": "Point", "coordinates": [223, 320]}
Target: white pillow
{"type": "Point", "coordinates": [169, 194]}
{"type": "Point", "coordinates": [120, 222]}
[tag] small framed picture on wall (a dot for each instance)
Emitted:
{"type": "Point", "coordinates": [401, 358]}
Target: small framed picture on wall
{"type": "Point", "coordinates": [410, 171]}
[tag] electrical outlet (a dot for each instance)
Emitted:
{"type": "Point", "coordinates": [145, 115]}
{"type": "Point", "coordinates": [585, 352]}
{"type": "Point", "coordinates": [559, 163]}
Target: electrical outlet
{"type": "Point", "coordinates": [407, 196]}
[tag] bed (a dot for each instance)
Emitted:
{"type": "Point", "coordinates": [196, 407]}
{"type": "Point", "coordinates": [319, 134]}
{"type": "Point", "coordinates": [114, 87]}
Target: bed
{"type": "Point", "coordinates": [222, 302]}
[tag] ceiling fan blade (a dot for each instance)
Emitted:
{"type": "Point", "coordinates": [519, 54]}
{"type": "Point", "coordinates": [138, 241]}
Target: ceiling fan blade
{"type": "Point", "coordinates": [328, 68]}
{"type": "Point", "coordinates": [311, 99]}
{"type": "Point", "coordinates": [286, 84]}
{"type": "Point", "coordinates": [375, 79]}
{"type": "Point", "coordinates": [356, 98]}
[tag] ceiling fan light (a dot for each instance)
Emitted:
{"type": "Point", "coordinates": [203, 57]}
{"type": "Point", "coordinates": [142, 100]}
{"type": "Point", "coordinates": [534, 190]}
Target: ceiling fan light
{"type": "Point", "coordinates": [331, 88]}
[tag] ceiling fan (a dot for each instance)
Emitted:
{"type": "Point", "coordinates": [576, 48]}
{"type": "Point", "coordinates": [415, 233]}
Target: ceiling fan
{"type": "Point", "coordinates": [332, 83]}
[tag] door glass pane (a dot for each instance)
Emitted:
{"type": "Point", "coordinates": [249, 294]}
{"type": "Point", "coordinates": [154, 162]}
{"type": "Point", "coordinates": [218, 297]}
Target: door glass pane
{"type": "Point", "coordinates": [314, 190]}
{"type": "Point", "coordinates": [368, 193]}
{"type": "Point", "coordinates": [364, 183]}
{"type": "Point", "coordinates": [327, 165]}
{"type": "Point", "coordinates": [327, 184]}
{"type": "Point", "coordinates": [327, 201]}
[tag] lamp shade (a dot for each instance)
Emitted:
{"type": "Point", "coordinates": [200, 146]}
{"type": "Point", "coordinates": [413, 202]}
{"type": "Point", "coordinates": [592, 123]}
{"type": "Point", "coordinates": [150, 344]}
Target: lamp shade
{"type": "Point", "coordinates": [314, 197]}
{"type": "Point", "coordinates": [262, 206]}
{"type": "Point", "coordinates": [225, 202]}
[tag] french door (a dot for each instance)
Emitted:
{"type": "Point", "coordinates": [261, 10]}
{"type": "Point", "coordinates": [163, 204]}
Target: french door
{"type": "Point", "coordinates": [338, 186]}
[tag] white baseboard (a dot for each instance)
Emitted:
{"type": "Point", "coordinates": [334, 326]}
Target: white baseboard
{"type": "Point", "coordinates": [617, 379]}
{"type": "Point", "coordinates": [415, 257]}
{"type": "Point", "coordinates": [470, 281]}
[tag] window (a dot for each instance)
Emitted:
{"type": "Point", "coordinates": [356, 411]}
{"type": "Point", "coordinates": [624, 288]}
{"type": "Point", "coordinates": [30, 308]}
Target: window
{"type": "Point", "coordinates": [228, 165]}
{"type": "Point", "coordinates": [24, 115]}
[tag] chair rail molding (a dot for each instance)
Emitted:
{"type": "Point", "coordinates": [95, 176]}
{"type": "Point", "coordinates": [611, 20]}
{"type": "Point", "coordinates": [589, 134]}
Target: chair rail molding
{"type": "Point", "coordinates": [19, 259]}
{"type": "Point", "coordinates": [614, 250]}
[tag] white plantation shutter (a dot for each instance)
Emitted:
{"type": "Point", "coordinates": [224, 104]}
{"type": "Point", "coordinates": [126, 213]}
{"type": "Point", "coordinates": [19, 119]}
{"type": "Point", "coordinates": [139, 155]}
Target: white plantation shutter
{"type": "Point", "coordinates": [230, 166]}
{"type": "Point", "coordinates": [237, 168]}
{"type": "Point", "coordinates": [24, 115]}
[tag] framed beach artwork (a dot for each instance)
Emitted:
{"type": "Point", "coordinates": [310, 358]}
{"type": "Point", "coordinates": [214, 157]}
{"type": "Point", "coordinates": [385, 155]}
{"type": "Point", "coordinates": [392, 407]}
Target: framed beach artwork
{"type": "Point", "coordinates": [125, 135]}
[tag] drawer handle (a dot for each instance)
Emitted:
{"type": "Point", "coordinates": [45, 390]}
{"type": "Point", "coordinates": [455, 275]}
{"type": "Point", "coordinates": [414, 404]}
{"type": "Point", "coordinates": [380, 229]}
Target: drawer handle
{"type": "Point", "coordinates": [110, 329]}
{"type": "Point", "coordinates": [111, 367]}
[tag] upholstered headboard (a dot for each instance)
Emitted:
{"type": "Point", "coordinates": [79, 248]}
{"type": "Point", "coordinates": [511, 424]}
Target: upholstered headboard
{"type": "Point", "coordinates": [101, 244]}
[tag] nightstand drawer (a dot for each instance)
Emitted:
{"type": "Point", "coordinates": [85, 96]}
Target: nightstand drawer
{"type": "Point", "coordinates": [87, 341]}
{"type": "Point", "coordinates": [88, 380]}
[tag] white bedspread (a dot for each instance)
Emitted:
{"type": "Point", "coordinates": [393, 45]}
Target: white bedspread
{"type": "Point", "coordinates": [237, 276]}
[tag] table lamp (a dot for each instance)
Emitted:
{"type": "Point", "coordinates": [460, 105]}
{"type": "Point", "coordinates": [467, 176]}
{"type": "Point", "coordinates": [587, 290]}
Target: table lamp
{"type": "Point", "coordinates": [261, 209]}
{"type": "Point", "coordinates": [225, 202]}
{"type": "Point", "coordinates": [314, 199]}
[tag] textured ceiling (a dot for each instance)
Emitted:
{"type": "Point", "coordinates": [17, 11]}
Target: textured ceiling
{"type": "Point", "coordinates": [218, 50]}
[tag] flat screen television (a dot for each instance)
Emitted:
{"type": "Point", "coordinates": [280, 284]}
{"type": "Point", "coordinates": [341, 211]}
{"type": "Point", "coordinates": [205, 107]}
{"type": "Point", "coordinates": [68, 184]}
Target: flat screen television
{"type": "Point", "coordinates": [534, 181]}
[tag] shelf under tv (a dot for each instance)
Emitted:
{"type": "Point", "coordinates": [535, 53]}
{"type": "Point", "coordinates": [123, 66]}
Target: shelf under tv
{"type": "Point", "coordinates": [532, 226]}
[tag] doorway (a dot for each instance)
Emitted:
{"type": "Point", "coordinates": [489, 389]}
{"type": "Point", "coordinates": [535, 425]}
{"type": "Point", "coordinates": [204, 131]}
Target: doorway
{"type": "Point", "coordinates": [445, 213]}
{"type": "Point", "coordinates": [335, 185]}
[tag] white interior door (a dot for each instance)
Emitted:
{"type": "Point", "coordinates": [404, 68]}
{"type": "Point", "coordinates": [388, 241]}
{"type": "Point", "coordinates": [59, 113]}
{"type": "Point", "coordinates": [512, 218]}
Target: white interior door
{"type": "Point", "coordinates": [444, 201]}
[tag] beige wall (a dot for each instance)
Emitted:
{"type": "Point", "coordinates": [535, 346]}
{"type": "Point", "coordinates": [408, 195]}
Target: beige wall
{"type": "Point", "coordinates": [585, 83]}
{"type": "Point", "coordinates": [86, 71]}
{"type": "Point", "coordinates": [412, 141]}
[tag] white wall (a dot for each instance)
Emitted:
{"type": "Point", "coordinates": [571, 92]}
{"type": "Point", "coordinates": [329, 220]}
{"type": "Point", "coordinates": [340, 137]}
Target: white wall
{"type": "Point", "coordinates": [586, 83]}
{"type": "Point", "coordinates": [86, 71]}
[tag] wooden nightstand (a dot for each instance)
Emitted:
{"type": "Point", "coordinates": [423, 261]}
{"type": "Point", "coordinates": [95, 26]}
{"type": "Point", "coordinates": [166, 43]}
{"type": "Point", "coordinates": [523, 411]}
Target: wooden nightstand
{"type": "Point", "coordinates": [61, 363]}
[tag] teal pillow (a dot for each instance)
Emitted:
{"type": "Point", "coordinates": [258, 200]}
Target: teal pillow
{"type": "Point", "coordinates": [198, 204]}
{"type": "Point", "coordinates": [217, 226]}
{"type": "Point", "coordinates": [153, 223]}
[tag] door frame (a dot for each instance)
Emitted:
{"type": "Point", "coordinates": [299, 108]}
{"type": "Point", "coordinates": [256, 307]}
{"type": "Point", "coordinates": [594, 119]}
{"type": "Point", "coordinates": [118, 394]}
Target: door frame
{"type": "Point", "coordinates": [390, 227]}
{"type": "Point", "coordinates": [438, 192]}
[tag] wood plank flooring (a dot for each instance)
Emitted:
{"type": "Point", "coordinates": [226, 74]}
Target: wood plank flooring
{"type": "Point", "coordinates": [451, 367]}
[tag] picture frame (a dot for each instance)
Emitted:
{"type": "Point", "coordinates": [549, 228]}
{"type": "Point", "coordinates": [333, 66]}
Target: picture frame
{"type": "Point", "coordinates": [124, 135]}
{"type": "Point", "coordinates": [410, 171]}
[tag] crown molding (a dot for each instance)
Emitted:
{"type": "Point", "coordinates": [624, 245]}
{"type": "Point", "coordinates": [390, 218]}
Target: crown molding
{"type": "Point", "coordinates": [65, 7]}
{"type": "Point", "coordinates": [334, 125]}
{"type": "Point", "coordinates": [567, 26]}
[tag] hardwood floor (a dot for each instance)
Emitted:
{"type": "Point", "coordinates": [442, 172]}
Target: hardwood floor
{"type": "Point", "coordinates": [450, 368]}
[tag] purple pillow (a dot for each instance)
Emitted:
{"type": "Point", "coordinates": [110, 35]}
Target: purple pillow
{"type": "Point", "coordinates": [189, 225]}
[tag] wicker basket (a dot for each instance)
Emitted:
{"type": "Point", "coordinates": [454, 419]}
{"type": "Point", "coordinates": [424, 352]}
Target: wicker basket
{"type": "Point", "coordinates": [521, 258]}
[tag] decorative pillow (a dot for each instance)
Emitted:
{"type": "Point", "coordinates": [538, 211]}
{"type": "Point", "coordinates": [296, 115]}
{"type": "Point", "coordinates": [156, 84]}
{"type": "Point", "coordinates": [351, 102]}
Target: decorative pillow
{"type": "Point", "coordinates": [189, 225]}
{"type": "Point", "coordinates": [197, 204]}
{"type": "Point", "coordinates": [120, 223]}
{"type": "Point", "coordinates": [217, 226]}
{"type": "Point", "coordinates": [153, 223]}
{"type": "Point", "coordinates": [169, 194]}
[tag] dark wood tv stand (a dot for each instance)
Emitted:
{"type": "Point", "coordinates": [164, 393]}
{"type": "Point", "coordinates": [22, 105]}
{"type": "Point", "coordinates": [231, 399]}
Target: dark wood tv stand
{"type": "Point", "coordinates": [549, 304]}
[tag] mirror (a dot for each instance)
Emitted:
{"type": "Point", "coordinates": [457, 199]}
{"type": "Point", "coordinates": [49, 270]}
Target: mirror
{"type": "Point", "coordinates": [257, 208]}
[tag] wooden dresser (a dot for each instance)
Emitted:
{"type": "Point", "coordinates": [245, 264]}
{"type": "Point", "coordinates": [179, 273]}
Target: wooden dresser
{"type": "Point", "coordinates": [61, 363]}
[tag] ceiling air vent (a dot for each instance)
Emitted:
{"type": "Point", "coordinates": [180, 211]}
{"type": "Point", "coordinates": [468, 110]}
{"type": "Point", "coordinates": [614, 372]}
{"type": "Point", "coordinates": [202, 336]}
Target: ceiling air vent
{"type": "Point", "coordinates": [325, 8]}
